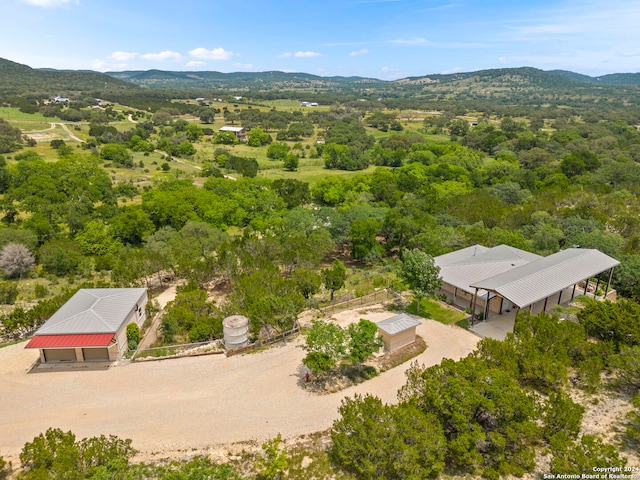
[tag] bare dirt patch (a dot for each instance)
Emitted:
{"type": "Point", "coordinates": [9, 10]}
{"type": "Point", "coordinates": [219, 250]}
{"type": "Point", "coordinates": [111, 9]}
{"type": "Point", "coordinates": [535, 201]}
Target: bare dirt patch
{"type": "Point", "coordinates": [193, 404]}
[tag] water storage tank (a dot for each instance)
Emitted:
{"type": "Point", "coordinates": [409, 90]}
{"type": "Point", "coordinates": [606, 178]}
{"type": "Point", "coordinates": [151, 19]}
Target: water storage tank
{"type": "Point", "coordinates": [236, 331]}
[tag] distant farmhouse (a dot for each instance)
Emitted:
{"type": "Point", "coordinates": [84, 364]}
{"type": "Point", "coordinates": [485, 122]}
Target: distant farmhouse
{"type": "Point", "coordinates": [91, 326]}
{"type": "Point", "coordinates": [239, 132]}
{"type": "Point", "coordinates": [502, 278]}
{"type": "Point", "coordinates": [308, 104]}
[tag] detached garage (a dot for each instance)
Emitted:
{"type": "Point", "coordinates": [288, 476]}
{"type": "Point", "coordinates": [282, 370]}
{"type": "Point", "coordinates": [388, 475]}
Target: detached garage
{"type": "Point", "coordinates": [91, 326]}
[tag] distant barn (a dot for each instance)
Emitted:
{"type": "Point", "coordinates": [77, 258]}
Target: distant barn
{"type": "Point", "coordinates": [239, 132]}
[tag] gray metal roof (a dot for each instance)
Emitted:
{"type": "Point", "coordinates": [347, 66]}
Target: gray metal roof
{"type": "Point", "coordinates": [466, 267]}
{"type": "Point", "coordinates": [398, 323]}
{"type": "Point", "coordinates": [537, 280]}
{"type": "Point", "coordinates": [94, 310]}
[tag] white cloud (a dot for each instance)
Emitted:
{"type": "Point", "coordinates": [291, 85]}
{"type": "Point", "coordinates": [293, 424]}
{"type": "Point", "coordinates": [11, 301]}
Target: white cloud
{"type": "Point", "coordinates": [124, 56]}
{"type": "Point", "coordinates": [195, 64]}
{"type": "Point", "coordinates": [307, 54]}
{"type": "Point", "coordinates": [411, 41]}
{"type": "Point", "coordinates": [362, 51]}
{"type": "Point", "coordinates": [162, 56]}
{"type": "Point", "coordinates": [49, 3]}
{"type": "Point", "coordinates": [215, 54]}
{"type": "Point", "coordinates": [285, 55]}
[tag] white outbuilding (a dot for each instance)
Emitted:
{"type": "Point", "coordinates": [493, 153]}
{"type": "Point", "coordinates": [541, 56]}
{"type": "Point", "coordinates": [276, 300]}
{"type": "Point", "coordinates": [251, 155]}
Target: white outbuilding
{"type": "Point", "coordinates": [398, 331]}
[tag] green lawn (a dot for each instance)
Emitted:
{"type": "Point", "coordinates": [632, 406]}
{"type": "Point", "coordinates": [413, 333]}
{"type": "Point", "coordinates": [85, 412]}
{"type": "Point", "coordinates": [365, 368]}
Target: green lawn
{"type": "Point", "coordinates": [431, 308]}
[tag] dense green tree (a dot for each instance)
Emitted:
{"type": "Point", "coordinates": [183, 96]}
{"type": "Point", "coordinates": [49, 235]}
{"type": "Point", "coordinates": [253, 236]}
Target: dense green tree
{"type": "Point", "coordinates": [334, 277]}
{"type": "Point", "coordinates": [132, 225]}
{"type": "Point", "coordinates": [307, 281]}
{"type": "Point", "coordinates": [363, 340]}
{"type": "Point", "coordinates": [294, 192]}
{"type": "Point", "coordinates": [487, 418]}
{"type": "Point", "coordinates": [60, 257]}
{"type": "Point", "coordinates": [420, 273]}
{"type": "Point", "coordinates": [256, 137]}
{"type": "Point", "coordinates": [618, 323]}
{"type": "Point", "coordinates": [325, 344]}
{"type": "Point", "coordinates": [291, 162]}
{"type": "Point", "coordinates": [376, 441]}
{"type": "Point", "coordinates": [278, 150]}
{"type": "Point", "coordinates": [626, 277]}
{"type": "Point", "coordinates": [56, 454]}
{"type": "Point", "coordinates": [117, 154]}
{"type": "Point", "coordinates": [364, 244]}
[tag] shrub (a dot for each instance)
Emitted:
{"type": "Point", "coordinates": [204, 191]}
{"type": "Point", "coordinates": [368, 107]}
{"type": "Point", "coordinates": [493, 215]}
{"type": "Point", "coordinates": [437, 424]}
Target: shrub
{"type": "Point", "coordinates": [133, 332]}
{"type": "Point", "coordinates": [5, 468]}
{"type": "Point", "coordinates": [57, 454]}
{"type": "Point", "coordinates": [41, 291]}
{"type": "Point", "coordinates": [8, 293]}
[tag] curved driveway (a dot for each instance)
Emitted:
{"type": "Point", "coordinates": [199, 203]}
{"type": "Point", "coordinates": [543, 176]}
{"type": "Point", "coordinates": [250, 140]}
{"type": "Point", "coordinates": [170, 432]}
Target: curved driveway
{"type": "Point", "coordinates": [188, 403]}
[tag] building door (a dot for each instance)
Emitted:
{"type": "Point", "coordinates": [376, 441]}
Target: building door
{"type": "Point", "coordinates": [59, 355]}
{"type": "Point", "coordinates": [95, 354]}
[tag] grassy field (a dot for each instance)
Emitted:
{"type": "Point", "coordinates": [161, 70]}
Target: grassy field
{"type": "Point", "coordinates": [15, 115]}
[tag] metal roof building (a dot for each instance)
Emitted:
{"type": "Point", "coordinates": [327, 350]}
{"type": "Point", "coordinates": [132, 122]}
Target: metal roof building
{"type": "Point", "coordinates": [465, 267]}
{"type": "Point", "coordinates": [398, 331]}
{"type": "Point", "coordinates": [503, 277]}
{"type": "Point", "coordinates": [91, 325]}
{"type": "Point", "coordinates": [535, 281]}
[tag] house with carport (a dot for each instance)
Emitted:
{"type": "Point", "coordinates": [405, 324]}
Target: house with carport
{"type": "Point", "coordinates": [504, 278]}
{"type": "Point", "coordinates": [91, 326]}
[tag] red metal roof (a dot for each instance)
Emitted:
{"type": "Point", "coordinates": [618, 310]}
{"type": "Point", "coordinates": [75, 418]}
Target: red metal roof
{"type": "Point", "coordinates": [69, 341]}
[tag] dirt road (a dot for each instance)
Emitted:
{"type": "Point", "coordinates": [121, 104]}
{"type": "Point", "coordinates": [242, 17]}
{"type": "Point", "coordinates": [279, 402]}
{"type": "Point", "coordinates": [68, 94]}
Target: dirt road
{"type": "Point", "coordinates": [175, 406]}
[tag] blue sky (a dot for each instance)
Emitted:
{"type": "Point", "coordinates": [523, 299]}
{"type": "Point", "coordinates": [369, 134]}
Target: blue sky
{"type": "Point", "coordinates": [385, 39]}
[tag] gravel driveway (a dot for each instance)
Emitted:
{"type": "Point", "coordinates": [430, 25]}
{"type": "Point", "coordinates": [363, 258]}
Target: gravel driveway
{"type": "Point", "coordinates": [198, 403]}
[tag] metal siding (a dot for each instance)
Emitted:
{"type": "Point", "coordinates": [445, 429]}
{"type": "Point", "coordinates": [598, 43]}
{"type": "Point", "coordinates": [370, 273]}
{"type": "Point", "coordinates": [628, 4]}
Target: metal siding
{"type": "Point", "coordinates": [62, 341]}
{"type": "Point", "coordinates": [95, 354]}
{"type": "Point", "coordinates": [545, 277]}
{"type": "Point", "coordinates": [95, 310]}
{"type": "Point", "coordinates": [397, 324]}
{"type": "Point", "coordinates": [59, 354]}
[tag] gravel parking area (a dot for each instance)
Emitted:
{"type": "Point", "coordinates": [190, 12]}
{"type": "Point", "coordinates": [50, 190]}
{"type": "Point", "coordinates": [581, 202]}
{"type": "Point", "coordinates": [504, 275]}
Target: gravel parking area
{"type": "Point", "coordinates": [191, 404]}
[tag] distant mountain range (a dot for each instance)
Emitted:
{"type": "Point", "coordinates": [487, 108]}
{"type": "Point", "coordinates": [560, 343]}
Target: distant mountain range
{"type": "Point", "coordinates": [520, 85]}
{"type": "Point", "coordinates": [172, 79]}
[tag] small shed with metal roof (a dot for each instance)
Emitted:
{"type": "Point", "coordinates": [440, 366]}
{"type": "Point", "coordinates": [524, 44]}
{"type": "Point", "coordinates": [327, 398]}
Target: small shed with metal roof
{"type": "Point", "coordinates": [397, 331]}
{"type": "Point", "coordinates": [91, 326]}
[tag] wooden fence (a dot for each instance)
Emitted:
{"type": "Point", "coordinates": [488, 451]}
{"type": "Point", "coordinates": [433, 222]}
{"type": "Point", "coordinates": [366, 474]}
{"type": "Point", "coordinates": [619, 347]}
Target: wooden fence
{"type": "Point", "coordinates": [379, 296]}
{"type": "Point", "coordinates": [279, 337]}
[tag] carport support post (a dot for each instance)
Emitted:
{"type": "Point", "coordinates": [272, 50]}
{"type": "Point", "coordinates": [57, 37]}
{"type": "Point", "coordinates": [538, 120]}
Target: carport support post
{"type": "Point", "coordinates": [606, 290]}
{"type": "Point", "coordinates": [473, 306]}
{"type": "Point", "coordinates": [544, 309]}
{"type": "Point", "coordinates": [573, 294]}
{"type": "Point", "coordinates": [597, 285]}
{"type": "Point", "coordinates": [586, 286]}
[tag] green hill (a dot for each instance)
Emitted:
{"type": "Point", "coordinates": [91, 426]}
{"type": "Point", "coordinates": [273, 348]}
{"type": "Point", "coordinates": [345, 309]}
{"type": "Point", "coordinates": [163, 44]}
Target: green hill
{"type": "Point", "coordinates": [18, 79]}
